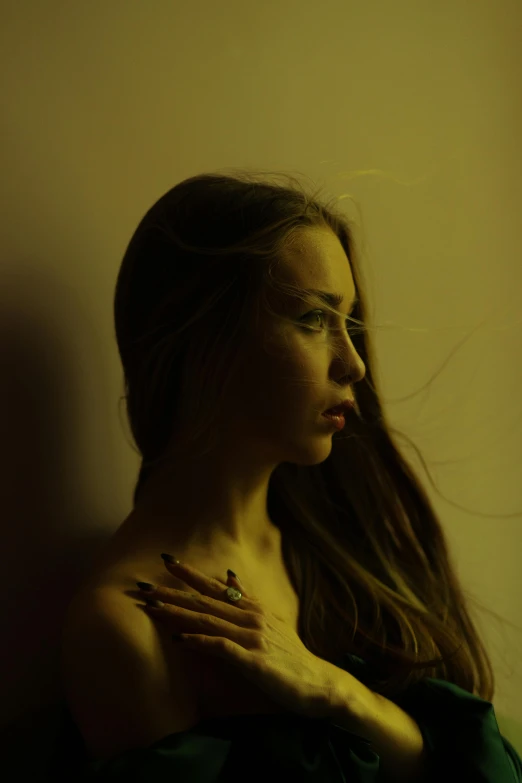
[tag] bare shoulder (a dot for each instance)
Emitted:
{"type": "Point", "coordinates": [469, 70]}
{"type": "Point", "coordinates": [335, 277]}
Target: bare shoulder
{"type": "Point", "coordinates": [126, 685]}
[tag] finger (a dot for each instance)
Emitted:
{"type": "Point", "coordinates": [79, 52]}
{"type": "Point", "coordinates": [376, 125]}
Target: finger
{"type": "Point", "coordinates": [233, 579]}
{"type": "Point", "coordinates": [204, 584]}
{"type": "Point", "coordinates": [195, 603]}
{"type": "Point", "coordinates": [188, 613]}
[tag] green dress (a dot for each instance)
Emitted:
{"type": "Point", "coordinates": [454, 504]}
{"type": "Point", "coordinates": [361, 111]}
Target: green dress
{"type": "Point", "coordinates": [460, 731]}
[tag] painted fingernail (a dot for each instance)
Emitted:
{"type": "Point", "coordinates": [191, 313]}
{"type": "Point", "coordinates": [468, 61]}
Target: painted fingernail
{"type": "Point", "coordinates": [231, 573]}
{"type": "Point", "coordinates": [170, 559]}
{"type": "Point", "coordinates": [154, 603]}
{"type": "Point", "coordinates": [146, 586]}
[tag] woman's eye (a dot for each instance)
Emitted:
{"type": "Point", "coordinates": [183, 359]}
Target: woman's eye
{"type": "Point", "coordinates": [319, 314]}
{"type": "Point", "coordinates": [315, 313]}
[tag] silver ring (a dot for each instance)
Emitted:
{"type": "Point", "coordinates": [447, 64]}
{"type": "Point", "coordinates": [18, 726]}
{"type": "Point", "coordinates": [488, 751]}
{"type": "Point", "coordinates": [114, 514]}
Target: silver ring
{"type": "Point", "coordinates": [233, 594]}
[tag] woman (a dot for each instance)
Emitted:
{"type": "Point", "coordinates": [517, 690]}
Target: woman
{"type": "Point", "coordinates": [241, 319]}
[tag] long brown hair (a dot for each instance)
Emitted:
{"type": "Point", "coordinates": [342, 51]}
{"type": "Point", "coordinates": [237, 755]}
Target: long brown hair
{"type": "Point", "coordinates": [363, 545]}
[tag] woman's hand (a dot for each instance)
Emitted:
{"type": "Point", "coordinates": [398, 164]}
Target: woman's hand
{"type": "Point", "coordinates": [259, 643]}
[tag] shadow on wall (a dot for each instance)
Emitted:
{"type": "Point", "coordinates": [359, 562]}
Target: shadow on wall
{"type": "Point", "coordinates": [38, 738]}
{"type": "Point", "coordinates": [51, 526]}
{"type": "Point", "coordinates": [32, 623]}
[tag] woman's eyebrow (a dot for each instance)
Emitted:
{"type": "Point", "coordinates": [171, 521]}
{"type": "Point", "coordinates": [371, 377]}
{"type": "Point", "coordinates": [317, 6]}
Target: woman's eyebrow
{"type": "Point", "coordinates": [334, 300]}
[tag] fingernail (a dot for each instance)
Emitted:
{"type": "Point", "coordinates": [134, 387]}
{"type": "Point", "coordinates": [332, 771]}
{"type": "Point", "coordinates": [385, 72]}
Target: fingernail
{"type": "Point", "coordinates": [154, 604]}
{"type": "Point", "coordinates": [231, 573]}
{"type": "Point", "coordinates": [146, 586]}
{"type": "Point", "coordinates": [170, 559]}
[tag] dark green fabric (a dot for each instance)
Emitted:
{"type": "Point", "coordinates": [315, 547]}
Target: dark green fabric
{"type": "Point", "coordinates": [460, 731]}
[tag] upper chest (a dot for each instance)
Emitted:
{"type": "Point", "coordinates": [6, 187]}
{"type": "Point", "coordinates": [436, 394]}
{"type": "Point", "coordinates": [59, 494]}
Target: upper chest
{"type": "Point", "coordinates": [119, 567]}
{"type": "Point", "coordinates": [275, 591]}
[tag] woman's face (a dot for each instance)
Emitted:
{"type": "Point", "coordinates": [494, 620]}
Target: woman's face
{"type": "Point", "coordinates": [292, 374]}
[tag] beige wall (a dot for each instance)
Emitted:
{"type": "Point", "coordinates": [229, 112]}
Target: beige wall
{"type": "Point", "coordinates": [106, 105]}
